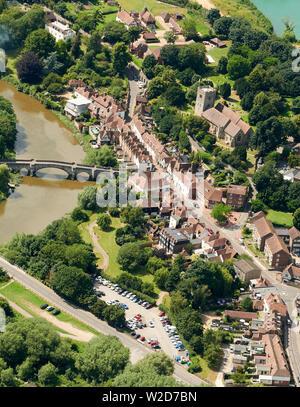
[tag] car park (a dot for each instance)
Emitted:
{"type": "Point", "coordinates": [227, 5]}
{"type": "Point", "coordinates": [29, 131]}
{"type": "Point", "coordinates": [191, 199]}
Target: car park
{"type": "Point", "coordinates": [44, 306]}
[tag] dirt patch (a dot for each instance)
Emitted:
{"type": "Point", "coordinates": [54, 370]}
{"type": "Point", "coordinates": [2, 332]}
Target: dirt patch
{"type": "Point", "coordinates": [78, 334]}
{"type": "Point", "coordinates": [207, 318]}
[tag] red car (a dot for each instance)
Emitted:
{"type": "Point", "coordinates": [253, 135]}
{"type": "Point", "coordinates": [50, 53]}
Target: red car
{"type": "Point", "coordinates": [138, 318]}
{"type": "Point", "coordinates": [142, 338]}
{"type": "Point", "coordinates": [210, 231]}
{"type": "Point", "coordinates": [153, 343]}
{"type": "Point", "coordinates": [162, 314]}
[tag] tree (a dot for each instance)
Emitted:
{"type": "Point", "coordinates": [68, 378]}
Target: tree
{"type": "Point", "coordinates": [212, 15]}
{"type": "Point", "coordinates": [160, 363]}
{"type": "Point", "coordinates": [68, 232]}
{"type": "Point", "coordinates": [114, 315]}
{"type": "Point", "coordinates": [170, 37]}
{"type": "Point", "coordinates": [213, 355]}
{"type": "Point", "coordinates": [169, 55]}
{"type": "Point", "coordinates": [222, 65]}
{"type": "Point", "coordinates": [222, 26]}
{"type": "Point", "coordinates": [81, 256]}
{"type": "Point", "coordinates": [184, 143]}
{"type": "Point", "coordinates": [103, 157]}
{"type": "Point", "coordinates": [115, 32]}
{"type": "Point", "coordinates": [87, 198]}
{"type": "Point", "coordinates": [79, 215]}
{"type": "Point", "coordinates": [221, 212]}
{"type": "Point", "coordinates": [120, 57]}
{"type": "Point", "coordinates": [175, 95]}
{"type": "Point", "coordinates": [268, 136]}
{"type": "Point", "coordinates": [133, 216]}
{"type": "Point", "coordinates": [247, 304]}
{"type": "Point", "coordinates": [189, 29]}
{"type": "Point", "coordinates": [52, 64]}
{"type": "Point", "coordinates": [47, 375]}
{"type": "Point", "coordinates": [75, 47]}
{"type": "Point", "coordinates": [238, 66]}
{"type": "Point", "coordinates": [134, 34]}
{"type": "Point", "coordinates": [225, 90]}
{"type": "Point", "coordinates": [131, 256]}
{"type": "Point", "coordinates": [293, 161]}
{"type": "Point", "coordinates": [41, 42]}
{"type": "Point", "coordinates": [72, 283]}
{"type": "Point", "coordinates": [103, 358]}
{"type": "Point", "coordinates": [104, 221]}
{"type": "Point", "coordinates": [148, 64]}
{"type": "Point", "coordinates": [160, 277]}
{"type": "Point", "coordinates": [257, 205]}
{"type": "Point", "coordinates": [29, 68]}
{"type": "Point", "coordinates": [4, 179]}
{"type": "Point", "coordinates": [156, 87]}
{"type": "Point", "coordinates": [296, 219]}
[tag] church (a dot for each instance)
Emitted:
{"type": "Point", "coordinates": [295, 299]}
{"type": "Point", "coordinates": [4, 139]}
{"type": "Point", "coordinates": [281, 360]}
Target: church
{"type": "Point", "coordinates": [225, 124]}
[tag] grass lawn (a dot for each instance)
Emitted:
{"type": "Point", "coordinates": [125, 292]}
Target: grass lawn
{"type": "Point", "coordinates": [11, 59]}
{"type": "Point", "coordinates": [137, 61]}
{"type": "Point", "coordinates": [154, 6]}
{"type": "Point", "coordinates": [217, 53]}
{"type": "Point", "coordinates": [206, 372]}
{"type": "Point", "coordinates": [280, 218]}
{"type": "Point", "coordinates": [220, 79]}
{"type": "Point", "coordinates": [109, 245]}
{"type": "Point", "coordinates": [20, 296]}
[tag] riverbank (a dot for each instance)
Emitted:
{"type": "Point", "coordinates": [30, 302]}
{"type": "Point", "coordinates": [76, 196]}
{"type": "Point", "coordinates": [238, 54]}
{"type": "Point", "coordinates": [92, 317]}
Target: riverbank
{"type": "Point", "coordinates": [245, 9]}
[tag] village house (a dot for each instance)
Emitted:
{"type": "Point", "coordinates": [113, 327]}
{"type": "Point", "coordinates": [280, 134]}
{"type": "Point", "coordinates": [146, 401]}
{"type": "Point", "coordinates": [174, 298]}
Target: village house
{"type": "Point", "coordinates": [150, 37]}
{"type": "Point", "coordinates": [276, 252]}
{"type": "Point", "coordinates": [246, 270]}
{"type": "Point", "coordinates": [237, 196]}
{"type": "Point", "coordinates": [218, 43]}
{"type": "Point", "coordinates": [262, 229]}
{"type": "Point", "coordinates": [294, 243]}
{"type": "Point", "coordinates": [126, 19]}
{"type": "Point", "coordinates": [75, 107]}
{"type": "Point", "coordinates": [147, 17]}
{"type": "Point", "coordinates": [237, 315]}
{"type": "Point", "coordinates": [273, 368]}
{"type": "Point", "coordinates": [291, 273]}
{"type": "Point", "coordinates": [165, 16]}
{"type": "Point", "coordinates": [296, 149]}
{"type": "Point", "coordinates": [173, 241]}
{"type": "Point", "coordinates": [60, 31]}
{"type": "Point", "coordinates": [224, 123]}
{"type": "Point", "coordinates": [175, 27]}
{"type": "Point", "coordinates": [292, 175]}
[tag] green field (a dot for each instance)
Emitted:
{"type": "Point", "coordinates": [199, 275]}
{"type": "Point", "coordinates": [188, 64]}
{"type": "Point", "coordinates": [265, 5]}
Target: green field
{"type": "Point", "coordinates": [137, 61]}
{"type": "Point", "coordinates": [155, 7]}
{"type": "Point", "coordinates": [21, 296]}
{"type": "Point", "coordinates": [280, 218]}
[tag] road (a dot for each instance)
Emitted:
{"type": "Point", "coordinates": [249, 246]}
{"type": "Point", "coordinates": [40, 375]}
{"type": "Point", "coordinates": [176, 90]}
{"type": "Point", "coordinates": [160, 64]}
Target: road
{"type": "Point", "coordinates": [137, 351]}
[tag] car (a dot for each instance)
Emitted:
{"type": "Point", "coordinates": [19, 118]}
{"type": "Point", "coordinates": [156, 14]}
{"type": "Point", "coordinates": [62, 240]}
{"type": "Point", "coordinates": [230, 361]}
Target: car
{"type": "Point", "coordinates": [133, 333]}
{"type": "Point", "coordinates": [210, 231]}
{"type": "Point", "coordinates": [142, 338]}
{"type": "Point", "coordinates": [124, 293]}
{"type": "Point", "coordinates": [155, 346]}
{"type": "Point", "coordinates": [140, 341]}
{"type": "Point", "coordinates": [196, 205]}
{"type": "Point", "coordinates": [50, 308]}
{"type": "Point", "coordinates": [151, 324]}
{"type": "Point", "coordinates": [44, 306]}
{"type": "Point", "coordinates": [137, 336]}
{"type": "Point", "coordinates": [56, 312]}
{"type": "Point", "coordinates": [143, 304]}
{"type": "Point", "coordinates": [148, 306]}
{"type": "Point", "coordinates": [140, 301]}
{"type": "Point", "coordinates": [128, 295]}
{"type": "Point", "coordinates": [162, 314]}
{"type": "Point", "coordinates": [135, 300]}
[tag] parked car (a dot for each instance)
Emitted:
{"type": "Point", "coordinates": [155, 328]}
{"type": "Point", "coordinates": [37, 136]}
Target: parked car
{"type": "Point", "coordinates": [44, 306]}
{"type": "Point", "coordinates": [56, 312]}
{"type": "Point", "coordinates": [133, 333]}
{"type": "Point", "coordinates": [151, 324]}
{"type": "Point", "coordinates": [50, 308]}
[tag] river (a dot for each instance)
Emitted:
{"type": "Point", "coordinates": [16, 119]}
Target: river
{"type": "Point", "coordinates": [275, 10]}
{"type": "Point", "coordinates": [38, 201]}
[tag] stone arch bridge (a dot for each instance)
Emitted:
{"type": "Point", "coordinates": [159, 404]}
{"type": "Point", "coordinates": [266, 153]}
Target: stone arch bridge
{"type": "Point", "coordinates": [72, 169]}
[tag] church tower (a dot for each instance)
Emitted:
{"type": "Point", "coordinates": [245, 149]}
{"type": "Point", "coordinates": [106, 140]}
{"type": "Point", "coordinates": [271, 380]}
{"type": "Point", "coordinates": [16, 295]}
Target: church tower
{"type": "Point", "coordinates": [206, 97]}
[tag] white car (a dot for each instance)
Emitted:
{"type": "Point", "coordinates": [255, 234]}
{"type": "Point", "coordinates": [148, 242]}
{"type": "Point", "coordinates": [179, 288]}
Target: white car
{"type": "Point", "coordinates": [151, 324]}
